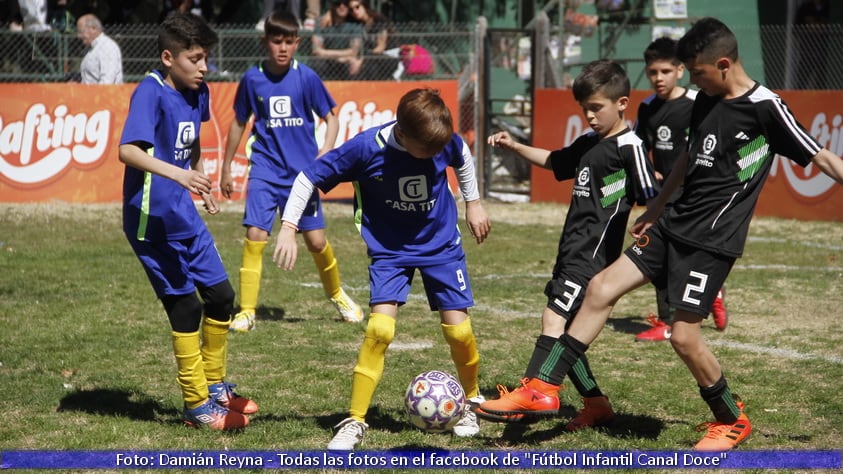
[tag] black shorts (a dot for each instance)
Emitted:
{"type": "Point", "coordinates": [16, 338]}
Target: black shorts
{"type": "Point", "coordinates": [691, 276]}
{"type": "Point", "coordinates": [565, 294]}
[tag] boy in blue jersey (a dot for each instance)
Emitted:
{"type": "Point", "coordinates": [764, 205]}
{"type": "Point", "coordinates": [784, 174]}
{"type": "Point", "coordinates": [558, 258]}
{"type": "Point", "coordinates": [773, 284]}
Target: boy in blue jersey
{"type": "Point", "coordinates": [408, 219]}
{"type": "Point", "coordinates": [737, 127]}
{"type": "Point", "coordinates": [662, 122]}
{"type": "Point", "coordinates": [160, 148]}
{"type": "Point", "coordinates": [612, 174]}
{"type": "Point", "coordinates": [283, 95]}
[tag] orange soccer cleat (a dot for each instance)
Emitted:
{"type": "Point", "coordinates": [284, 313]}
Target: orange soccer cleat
{"type": "Point", "coordinates": [723, 436]}
{"type": "Point", "coordinates": [597, 411]}
{"type": "Point", "coordinates": [533, 398]}
{"type": "Point", "coordinates": [223, 393]}
{"type": "Point", "coordinates": [214, 416]}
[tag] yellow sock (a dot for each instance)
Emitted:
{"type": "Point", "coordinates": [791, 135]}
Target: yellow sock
{"type": "Point", "coordinates": [214, 346]}
{"type": "Point", "coordinates": [329, 271]}
{"type": "Point", "coordinates": [463, 345]}
{"type": "Point", "coordinates": [191, 376]}
{"type": "Point", "coordinates": [250, 274]}
{"type": "Point", "coordinates": [369, 369]}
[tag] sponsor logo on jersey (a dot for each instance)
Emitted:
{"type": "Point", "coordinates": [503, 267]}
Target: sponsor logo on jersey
{"type": "Point", "coordinates": [413, 195]}
{"type": "Point", "coordinates": [708, 146]}
{"type": "Point", "coordinates": [663, 136]}
{"type": "Point", "coordinates": [742, 136]}
{"type": "Point", "coordinates": [185, 137]}
{"type": "Point", "coordinates": [280, 113]}
{"type": "Point", "coordinates": [581, 187]}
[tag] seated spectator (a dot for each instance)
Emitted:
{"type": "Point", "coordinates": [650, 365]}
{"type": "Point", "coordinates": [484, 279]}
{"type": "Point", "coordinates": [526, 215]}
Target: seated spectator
{"type": "Point", "coordinates": [374, 63]}
{"type": "Point", "coordinates": [336, 45]}
{"type": "Point", "coordinates": [103, 61]}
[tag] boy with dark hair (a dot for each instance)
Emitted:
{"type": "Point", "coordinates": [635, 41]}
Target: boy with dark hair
{"type": "Point", "coordinates": [663, 120]}
{"type": "Point", "coordinates": [160, 148]}
{"type": "Point", "coordinates": [283, 96]}
{"type": "Point", "coordinates": [737, 127]}
{"type": "Point", "coordinates": [408, 218]}
{"type": "Point", "coordinates": [612, 174]}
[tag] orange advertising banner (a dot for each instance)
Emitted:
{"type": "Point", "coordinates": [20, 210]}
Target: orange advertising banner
{"type": "Point", "coordinates": [59, 142]}
{"type": "Point", "coordinates": [790, 191]}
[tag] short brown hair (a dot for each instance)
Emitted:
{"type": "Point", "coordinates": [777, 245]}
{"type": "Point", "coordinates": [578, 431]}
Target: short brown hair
{"type": "Point", "coordinates": [604, 76]}
{"type": "Point", "coordinates": [423, 115]}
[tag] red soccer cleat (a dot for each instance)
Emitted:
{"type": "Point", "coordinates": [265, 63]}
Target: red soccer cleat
{"type": "Point", "coordinates": [659, 332]}
{"type": "Point", "coordinates": [718, 310]}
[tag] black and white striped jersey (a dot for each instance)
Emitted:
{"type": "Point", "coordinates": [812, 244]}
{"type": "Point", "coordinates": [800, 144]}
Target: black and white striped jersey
{"type": "Point", "coordinates": [730, 151]}
{"type": "Point", "coordinates": [610, 176]}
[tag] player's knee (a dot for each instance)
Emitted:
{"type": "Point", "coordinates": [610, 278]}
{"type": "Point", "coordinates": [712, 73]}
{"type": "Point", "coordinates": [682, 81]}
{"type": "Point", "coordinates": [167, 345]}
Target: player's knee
{"type": "Point", "coordinates": [380, 328]}
{"type": "Point", "coordinates": [315, 241]}
{"type": "Point", "coordinates": [183, 311]}
{"type": "Point", "coordinates": [219, 301]}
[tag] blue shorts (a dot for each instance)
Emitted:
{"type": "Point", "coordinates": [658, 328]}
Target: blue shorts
{"type": "Point", "coordinates": [266, 200]}
{"type": "Point", "coordinates": [446, 285]}
{"type": "Point", "coordinates": [177, 267]}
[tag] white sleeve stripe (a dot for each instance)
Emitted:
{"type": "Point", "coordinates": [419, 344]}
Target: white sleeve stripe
{"type": "Point", "coordinates": [643, 176]}
{"type": "Point", "coordinates": [796, 131]}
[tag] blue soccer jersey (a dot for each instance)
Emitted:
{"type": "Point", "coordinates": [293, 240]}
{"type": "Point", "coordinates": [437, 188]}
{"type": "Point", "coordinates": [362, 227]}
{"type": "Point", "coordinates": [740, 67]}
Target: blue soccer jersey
{"type": "Point", "coordinates": [283, 140]}
{"type": "Point", "coordinates": [403, 205]}
{"type": "Point", "coordinates": [167, 122]}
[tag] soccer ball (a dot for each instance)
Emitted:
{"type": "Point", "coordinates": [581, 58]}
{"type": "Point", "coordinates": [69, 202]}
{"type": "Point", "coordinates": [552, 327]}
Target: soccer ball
{"type": "Point", "coordinates": [435, 401]}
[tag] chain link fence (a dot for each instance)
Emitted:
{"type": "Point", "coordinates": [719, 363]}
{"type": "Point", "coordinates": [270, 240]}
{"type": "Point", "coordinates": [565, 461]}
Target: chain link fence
{"type": "Point", "coordinates": [419, 51]}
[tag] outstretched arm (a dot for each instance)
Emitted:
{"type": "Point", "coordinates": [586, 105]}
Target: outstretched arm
{"type": "Point", "coordinates": [655, 206]}
{"type": "Point", "coordinates": [830, 164]}
{"type": "Point", "coordinates": [537, 156]}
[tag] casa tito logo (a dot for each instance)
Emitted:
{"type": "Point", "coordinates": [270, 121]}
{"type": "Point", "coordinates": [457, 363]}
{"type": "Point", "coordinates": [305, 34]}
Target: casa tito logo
{"type": "Point", "coordinates": [40, 146]}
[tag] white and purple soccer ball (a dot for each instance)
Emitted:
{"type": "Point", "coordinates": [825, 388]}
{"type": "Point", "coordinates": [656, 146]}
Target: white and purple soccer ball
{"type": "Point", "coordinates": [435, 401]}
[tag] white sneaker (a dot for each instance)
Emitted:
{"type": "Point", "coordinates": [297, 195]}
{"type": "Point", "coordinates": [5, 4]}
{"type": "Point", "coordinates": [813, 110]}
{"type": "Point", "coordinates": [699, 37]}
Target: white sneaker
{"type": "Point", "coordinates": [468, 425]}
{"type": "Point", "coordinates": [348, 309]}
{"type": "Point", "coordinates": [244, 321]}
{"type": "Point", "coordinates": [349, 434]}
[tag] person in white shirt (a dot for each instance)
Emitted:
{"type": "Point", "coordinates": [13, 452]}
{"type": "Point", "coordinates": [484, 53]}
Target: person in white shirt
{"type": "Point", "coordinates": [103, 61]}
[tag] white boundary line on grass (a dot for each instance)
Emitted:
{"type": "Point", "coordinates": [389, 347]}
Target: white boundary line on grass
{"type": "Point", "coordinates": [785, 353]}
{"type": "Point", "coordinates": [804, 243]}
{"type": "Point", "coordinates": [788, 268]}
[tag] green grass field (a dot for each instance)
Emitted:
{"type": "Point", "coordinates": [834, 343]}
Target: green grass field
{"type": "Point", "coordinates": [87, 361]}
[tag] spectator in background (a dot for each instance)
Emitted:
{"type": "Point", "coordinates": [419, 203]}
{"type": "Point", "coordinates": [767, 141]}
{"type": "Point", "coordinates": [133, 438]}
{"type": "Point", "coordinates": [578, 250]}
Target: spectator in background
{"type": "Point", "coordinates": [203, 8]}
{"type": "Point", "coordinates": [103, 61]}
{"type": "Point", "coordinates": [311, 12]}
{"type": "Point", "coordinates": [337, 43]}
{"type": "Point", "coordinates": [34, 15]}
{"type": "Point", "coordinates": [374, 63]}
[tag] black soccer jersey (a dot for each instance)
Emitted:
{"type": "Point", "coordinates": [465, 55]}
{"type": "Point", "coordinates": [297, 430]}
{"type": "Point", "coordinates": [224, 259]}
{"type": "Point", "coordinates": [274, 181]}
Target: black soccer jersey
{"type": "Point", "coordinates": [611, 175]}
{"type": "Point", "coordinates": [730, 151]}
{"type": "Point", "coordinates": [663, 125]}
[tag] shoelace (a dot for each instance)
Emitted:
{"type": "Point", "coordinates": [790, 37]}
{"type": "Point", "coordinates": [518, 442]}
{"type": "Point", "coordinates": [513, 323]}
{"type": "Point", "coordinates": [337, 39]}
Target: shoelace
{"type": "Point", "coordinates": [715, 429]}
{"type": "Point", "coordinates": [503, 390]}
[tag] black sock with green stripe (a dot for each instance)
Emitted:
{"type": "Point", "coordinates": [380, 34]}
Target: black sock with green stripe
{"type": "Point", "coordinates": [541, 351]}
{"type": "Point", "coordinates": [721, 401]}
{"type": "Point", "coordinates": [582, 378]}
